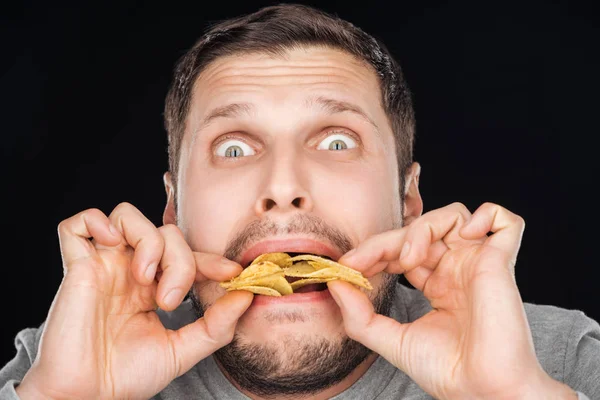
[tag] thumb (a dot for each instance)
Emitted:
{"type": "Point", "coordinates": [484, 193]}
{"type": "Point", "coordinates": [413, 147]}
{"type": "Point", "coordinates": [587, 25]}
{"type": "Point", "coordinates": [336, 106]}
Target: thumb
{"type": "Point", "coordinates": [379, 333]}
{"type": "Point", "coordinates": [201, 338]}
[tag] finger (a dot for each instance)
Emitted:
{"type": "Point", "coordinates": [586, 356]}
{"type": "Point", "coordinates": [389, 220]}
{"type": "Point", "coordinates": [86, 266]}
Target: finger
{"type": "Point", "coordinates": [215, 268]}
{"type": "Point", "coordinates": [373, 250]}
{"type": "Point", "coordinates": [74, 234]}
{"type": "Point", "coordinates": [203, 337]}
{"type": "Point", "coordinates": [141, 234]}
{"type": "Point", "coordinates": [178, 268]}
{"type": "Point", "coordinates": [382, 252]}
{"type": "Point", "coordinates": [506, 227]}
{"type": "Point", "coordinates": [418, 276]}
{"type": "Point", "coordinates": [437, 225]}
{"type": "Point", "coordinates": [377, 332]}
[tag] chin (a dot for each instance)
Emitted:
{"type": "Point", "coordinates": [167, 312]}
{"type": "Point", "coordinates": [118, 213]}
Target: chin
{"type": "Point", "coordinates": [264, 323]}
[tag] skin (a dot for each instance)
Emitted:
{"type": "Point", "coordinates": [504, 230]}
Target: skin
{"type": "Point", "coordinates": [102, 330]}
{"type": "Point", "coordinates": [284, 134]}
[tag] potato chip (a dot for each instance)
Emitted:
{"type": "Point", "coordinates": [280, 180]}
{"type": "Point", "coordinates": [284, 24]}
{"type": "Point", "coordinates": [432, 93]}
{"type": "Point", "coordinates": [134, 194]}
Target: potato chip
{"type": "Point", "coordinates": [258, 290]}
{"type": "Point", "coordinates": [320, 262]}
{"type": "Point", "coordinates": [300, 269]}
{"type": "Point", "coordinates": [326, 270]}
{"type": "Point", "coordinates": [262, 268]}
{"type": "Point", "coordinates": [342, 274]}
{"type": "Point", "coordinates": [266, 274]}
{"type": "Point", "coordinates": [250, 275]}
{"type": "Point", "coordinates": [275, 281]}
{"type": "Point", "coordinates": [308, 281]}
{"type": "Point", "coordinates": [282, 259]}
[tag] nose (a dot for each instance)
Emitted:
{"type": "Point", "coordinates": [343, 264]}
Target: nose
{"type": "Point", "coordinates": [285, 187]}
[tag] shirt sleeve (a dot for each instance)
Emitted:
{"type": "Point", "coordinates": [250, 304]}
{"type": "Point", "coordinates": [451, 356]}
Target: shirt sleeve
{"type": "Point", "coordinates": [11, 374]}
{"type": "Point", "coordinates": [582, 357]}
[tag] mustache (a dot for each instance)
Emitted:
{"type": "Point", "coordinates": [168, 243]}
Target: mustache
{"type": "Point", "coordinates": [306, 224]}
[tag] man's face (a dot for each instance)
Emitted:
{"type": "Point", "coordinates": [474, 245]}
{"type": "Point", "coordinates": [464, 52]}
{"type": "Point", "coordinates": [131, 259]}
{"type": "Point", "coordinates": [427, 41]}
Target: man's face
{"type": "Point", "coordinates": [293, 154]}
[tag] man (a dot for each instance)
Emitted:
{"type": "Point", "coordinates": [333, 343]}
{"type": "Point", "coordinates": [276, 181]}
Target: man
{"type": "Point", "coordinates": [291, 130]}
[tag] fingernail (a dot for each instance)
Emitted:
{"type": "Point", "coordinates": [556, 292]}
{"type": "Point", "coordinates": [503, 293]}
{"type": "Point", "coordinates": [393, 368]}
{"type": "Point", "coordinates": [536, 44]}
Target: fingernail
{"type": "Point", "coordinates": [405, 250]}
{"type": "Point", "coordinates": [228, 262]}
{"type": "Point", "coordinates": [349, 254]}
{"type": "Point", "coordinates": [173, 298]}
{"type": "Point", "coordinates": [347, 258]}
{"type": "Point", "coordinates": [335, 296]}
{"type": "Point", "coordinates": [150, 271]}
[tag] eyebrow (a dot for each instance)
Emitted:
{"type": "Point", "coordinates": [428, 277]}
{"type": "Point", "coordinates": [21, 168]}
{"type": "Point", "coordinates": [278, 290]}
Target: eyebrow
{"type": "Point", "coordinates": [227, 111]}
{"type": "Point", "coordinates": [334, 106]}
{"type": "Point", "coordinates": [328, 105]}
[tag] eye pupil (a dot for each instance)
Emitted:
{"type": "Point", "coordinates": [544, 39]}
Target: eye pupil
{"type": "Point", "coordinates": [337, 145]}
{"type": "Point", "coordinates": [234, 151]}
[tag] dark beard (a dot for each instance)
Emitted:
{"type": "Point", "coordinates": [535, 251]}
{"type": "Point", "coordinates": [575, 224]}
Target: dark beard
{"type": "Point", "coordinates": [262, 369]}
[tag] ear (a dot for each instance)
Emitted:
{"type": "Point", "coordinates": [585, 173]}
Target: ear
{"type": "Point", "coordinates": [169, 215]}
{"type": "Point", "coordinates": [413, 204]}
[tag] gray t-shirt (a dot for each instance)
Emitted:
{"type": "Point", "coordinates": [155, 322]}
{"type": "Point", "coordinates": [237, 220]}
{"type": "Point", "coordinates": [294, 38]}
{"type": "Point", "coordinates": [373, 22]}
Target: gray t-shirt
{"type": "Point", "coordinates": [567, 343]}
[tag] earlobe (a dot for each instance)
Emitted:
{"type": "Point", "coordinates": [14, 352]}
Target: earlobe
{"type": "Point", "coordinates": [169, 214]}
{"type": "Point", "coordinates": [413, 203]}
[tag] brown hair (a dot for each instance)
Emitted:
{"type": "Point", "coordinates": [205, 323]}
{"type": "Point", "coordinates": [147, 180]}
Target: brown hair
{"type": "Point", "coordinates": [273, 30]}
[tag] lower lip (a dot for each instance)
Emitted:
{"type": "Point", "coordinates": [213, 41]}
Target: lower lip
{"type": "Point", "coordinates": [309, 297]}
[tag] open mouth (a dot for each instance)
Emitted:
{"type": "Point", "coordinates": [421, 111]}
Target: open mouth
{"type": "Point", "coordinates": [281, 268]}
{"type": "Point", "coordinates": [314, 287]}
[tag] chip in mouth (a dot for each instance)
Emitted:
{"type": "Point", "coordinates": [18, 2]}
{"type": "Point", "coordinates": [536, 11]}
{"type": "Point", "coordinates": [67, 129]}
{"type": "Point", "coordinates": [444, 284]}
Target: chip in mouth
{"type": "Point", "coordinates": [280, 274]}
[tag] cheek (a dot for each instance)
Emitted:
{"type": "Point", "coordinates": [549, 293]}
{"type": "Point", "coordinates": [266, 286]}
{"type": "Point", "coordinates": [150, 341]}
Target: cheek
{"type": "Point", "coordinates": [358, 195]}
{"type": "Point", "coordinates": [216, 203]}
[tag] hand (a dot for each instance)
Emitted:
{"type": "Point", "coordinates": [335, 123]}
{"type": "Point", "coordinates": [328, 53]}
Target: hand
{"type": "Point", "coordinates": [476, 342]}
{"type": "Point", "coordinates": [102, 338]}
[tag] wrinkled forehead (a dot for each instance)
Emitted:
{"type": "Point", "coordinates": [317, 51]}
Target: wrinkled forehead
{"type": "Point", "coordinates": [295, 78]}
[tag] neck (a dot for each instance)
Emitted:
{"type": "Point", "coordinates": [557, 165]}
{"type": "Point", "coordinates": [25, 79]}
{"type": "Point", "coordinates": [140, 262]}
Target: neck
{"type": "Point", "coordinates": [322, 395]}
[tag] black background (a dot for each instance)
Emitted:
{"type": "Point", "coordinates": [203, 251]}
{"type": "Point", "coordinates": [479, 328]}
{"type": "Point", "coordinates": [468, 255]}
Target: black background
{"type": "Point", "coordinates": [506, 96]}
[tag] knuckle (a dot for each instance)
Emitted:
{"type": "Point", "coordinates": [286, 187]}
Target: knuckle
{"type": "Point", "coordinates": [63, 227]}
{"type": "Point", "coordinates": [458, 206]}
{"type": "Point", "coordinates": [124, 207]}
{"type": "Point", "coordinates": [66, 225]}
{"type": "Point", "coordinates": [460, 210]}
{"type": "Point", "coordinates": [520, 221]}
{"type": "Point", "coordinates": [494, 209]}
{"type": "Point", "coordinates": [170, 229]}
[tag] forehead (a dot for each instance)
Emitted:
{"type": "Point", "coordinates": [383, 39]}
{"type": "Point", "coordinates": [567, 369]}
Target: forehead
{"type": "Point", "coordinates": [289, 79]}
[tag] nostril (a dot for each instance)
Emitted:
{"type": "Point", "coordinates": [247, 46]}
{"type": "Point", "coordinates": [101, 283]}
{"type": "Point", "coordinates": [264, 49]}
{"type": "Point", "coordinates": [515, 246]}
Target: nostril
{"type": "Point", "coordinates": [269, 204]}
{"type": "Point", "coordinates": [297, 202]}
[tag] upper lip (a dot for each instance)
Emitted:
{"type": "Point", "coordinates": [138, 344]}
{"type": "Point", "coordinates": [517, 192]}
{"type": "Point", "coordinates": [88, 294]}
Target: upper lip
{"type": "Point", "coordinates": [289, 245]}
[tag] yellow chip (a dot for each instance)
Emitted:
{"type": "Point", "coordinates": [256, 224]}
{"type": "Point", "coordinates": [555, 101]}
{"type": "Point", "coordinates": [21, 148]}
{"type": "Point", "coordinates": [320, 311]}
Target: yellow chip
{"type": "Point", "coordinates": [358, 281]}
{"type": "Point", "coordinates": [303, 282]}
{"type": "Point", "coordinates": [320, 262]}
{"type": "Point", "coordinates": [317, 265]}
{"type": "Point", "coordinates": [250, 281]}
{"type": "Point", "coordinates": [342, 274]}
{"type": "Point", "coordinates": [277, 282]}
{"type": "Point", "coordinates": [259, 290]}
{"type": "Point", "coordinates": [282, 259]}
{"type": "Point", "coordinates": [266, 274]}
{"type": "Point", "coordinates": [300, 269]}
{"type": "Point", "coordinates": [252, 273]}
{"type": "Point", "coordinates": [263, 268]}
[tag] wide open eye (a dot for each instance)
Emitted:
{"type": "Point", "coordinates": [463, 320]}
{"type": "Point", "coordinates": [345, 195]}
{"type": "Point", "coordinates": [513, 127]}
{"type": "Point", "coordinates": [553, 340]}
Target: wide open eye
{"type": "Point", "coordinates": [233, 148]}
{"type": "Point", "coordinates": [337, 142]}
